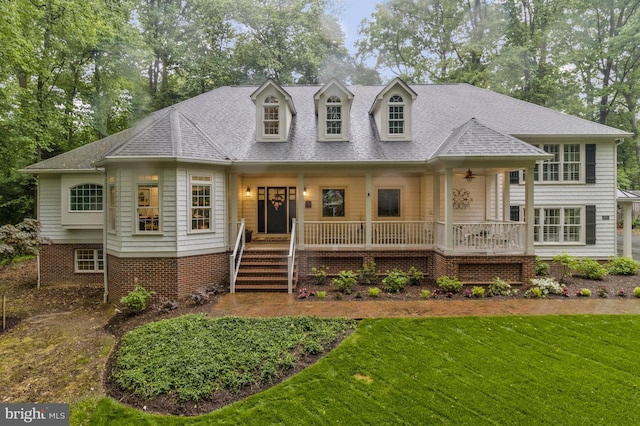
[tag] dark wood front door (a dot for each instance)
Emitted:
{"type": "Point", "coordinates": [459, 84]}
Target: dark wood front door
{"type": "Point", "coordinates": [277, 210]}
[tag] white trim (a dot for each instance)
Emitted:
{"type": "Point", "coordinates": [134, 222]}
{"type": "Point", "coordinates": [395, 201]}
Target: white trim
{"type": "Point", "coordinates": [211, 207]}
{"type": "Point", "coordinates": [96, 259]}
{"type": "Point", "coordinates": [561, 225]}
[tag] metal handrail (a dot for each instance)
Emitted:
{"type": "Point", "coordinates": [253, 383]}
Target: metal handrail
{"type": "Point", "coordinates": [291, 259]}
{"type": "Point", "coordinates": [236, 257]}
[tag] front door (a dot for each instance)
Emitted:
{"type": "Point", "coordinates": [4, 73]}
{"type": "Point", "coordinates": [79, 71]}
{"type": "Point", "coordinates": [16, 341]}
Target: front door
{"type": "Point", "coordinates": [277, 210]}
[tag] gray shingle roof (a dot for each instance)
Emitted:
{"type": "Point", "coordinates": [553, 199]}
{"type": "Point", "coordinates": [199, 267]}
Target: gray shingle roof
{"type": "Point", "coordinates": [220, 125]}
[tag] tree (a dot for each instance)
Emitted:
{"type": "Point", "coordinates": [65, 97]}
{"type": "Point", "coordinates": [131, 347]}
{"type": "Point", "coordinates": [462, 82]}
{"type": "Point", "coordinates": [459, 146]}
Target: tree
{"type": "Point", "coordinates": [20, 240]}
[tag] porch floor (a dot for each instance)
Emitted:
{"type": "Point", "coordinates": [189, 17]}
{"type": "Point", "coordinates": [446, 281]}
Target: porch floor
{"type": "Point", "coordinates": [283, 304]}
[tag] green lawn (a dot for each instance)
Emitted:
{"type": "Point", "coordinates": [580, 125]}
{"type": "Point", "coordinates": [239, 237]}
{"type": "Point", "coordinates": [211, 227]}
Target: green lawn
{"type": "Point", "coordinates": [505, 370]}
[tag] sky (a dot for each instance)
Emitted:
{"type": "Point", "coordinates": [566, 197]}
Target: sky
{"type": "Point", "coordinates": [354, 11]}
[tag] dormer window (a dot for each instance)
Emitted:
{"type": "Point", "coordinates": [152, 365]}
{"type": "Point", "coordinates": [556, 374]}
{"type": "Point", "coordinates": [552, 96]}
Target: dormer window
{"type": "Point", "coordinates": [334, 116]}
{"type": "Point", "coordinates": [391, 111]}
{"type": "Point", "coordinates": [274, 112]}
{"type": "Point", "coordinates": [271, 117]}
{"type": "Point", "coordinates": [396, 115]}
{"type": "Point", "coordinates": [333, 107]}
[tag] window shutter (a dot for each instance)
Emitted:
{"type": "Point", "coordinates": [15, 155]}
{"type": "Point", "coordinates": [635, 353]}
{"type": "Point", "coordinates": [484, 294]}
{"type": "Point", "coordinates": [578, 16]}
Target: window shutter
{"type": "Point", "coordinates": [514, 213]}
{"type": "Point", "coordinates": [591, 225]}
{"type": "Point", "coordinates": [514, 177]}
{"type": "Point", "coordinates": [590, 163]}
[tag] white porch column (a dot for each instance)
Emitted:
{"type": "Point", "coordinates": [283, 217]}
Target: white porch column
{"type": "Point", "coordinates": [448, 211]}
{"type": "Point", "coordinates": [529, 210]}
{"type": "Point", "coordinates": [506, 197]}
{"type": "Point", "coordinates": [300, 211]}
{"type": "Point", "coordinates": [436, 207]}
{"type": "Point", "coordinates": [627, 247]}
{"type": "Point", "coordinates": [368, 212]}
{"type": "Point", "coordinates": [233, 208]}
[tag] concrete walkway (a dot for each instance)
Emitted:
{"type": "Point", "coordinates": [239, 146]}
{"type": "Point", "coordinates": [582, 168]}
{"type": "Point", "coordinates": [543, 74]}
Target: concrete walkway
{"type": "Point", "coordinates": [281, 304]}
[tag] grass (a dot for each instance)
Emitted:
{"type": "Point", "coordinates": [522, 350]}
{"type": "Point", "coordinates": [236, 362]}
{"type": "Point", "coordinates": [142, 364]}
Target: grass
{"type": "Point", "coordinates": [472, 370]}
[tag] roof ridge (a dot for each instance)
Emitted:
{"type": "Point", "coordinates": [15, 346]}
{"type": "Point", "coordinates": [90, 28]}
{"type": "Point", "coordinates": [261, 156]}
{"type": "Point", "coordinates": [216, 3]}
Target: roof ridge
{"type": "Point", "coordinates": [161, 114]}
{"type": "Point", "coordinates": [204, 135]}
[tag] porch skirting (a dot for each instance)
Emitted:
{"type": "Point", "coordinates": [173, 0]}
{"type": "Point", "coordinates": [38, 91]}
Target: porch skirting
{"type": "Point", "coordinates": [482, 269]}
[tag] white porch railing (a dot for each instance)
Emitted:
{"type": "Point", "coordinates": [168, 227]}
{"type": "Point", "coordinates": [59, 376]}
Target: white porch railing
{"type": "Point", "coordinates": [383, 233]}
{"type": "Point", "coordinates": [236, 257]}
{"type": "Point", "coordinates": [489, 236]}
{"type": "Point", "coordinates": [291, 259]}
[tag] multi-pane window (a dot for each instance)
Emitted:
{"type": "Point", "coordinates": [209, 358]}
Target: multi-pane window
{"type": "Point", "coordinates": [148, 204]}
{"type": "Point", "coordinates": [89, 260]}
{"type": "Point", "coordinates": [86, 197]}
{"type": "Point", "coordinates": [334, 116]}
{"type": "Point", "coordinates": [564, 166]}
{"type": "Point", "coordinates": [388, 203]}
{"type": "Point", "coordinates": [200, 203]}
{"type": "Point", "coordinates": [557, 225]}
{"type": "Point", "coordinates": [396, 115]}
{"type": "Point", "coordinates": [271, 116]}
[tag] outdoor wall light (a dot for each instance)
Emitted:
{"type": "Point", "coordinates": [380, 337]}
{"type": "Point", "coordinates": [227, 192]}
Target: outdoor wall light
{"type": "Point", "coordinates": [304, 192]}
{"type": "Point", "coordinates": [248, 193]}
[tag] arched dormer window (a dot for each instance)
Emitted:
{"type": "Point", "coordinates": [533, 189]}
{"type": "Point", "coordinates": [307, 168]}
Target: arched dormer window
{"type": "Point", "coordinates": [334, 116]}
{"type": "Point", "coordinates": [396, 115]}
{"type": "Point", "coordinates": [271, 116]}
{"type": "Point", "coordinates": [85, 197]}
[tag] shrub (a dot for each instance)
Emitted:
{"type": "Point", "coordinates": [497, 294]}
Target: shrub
{"type": "Point", "coordinates": [20, 240]}
{"type": "Point", "coordinates": [414, 276]}
{"type": "Point", "coordinates": [477, 291]}
{"type": "Point", "coordinates": [548, 285]}
{"type": "Point", "coordinates": [136, 299]}
{"type": "Point", "coordinates": [321, 294]}
{"type": "Point", "coordinates": [534, 292]}
{"type": "Point", "coordinates": [603, 292]}
{"type": "Point", "coordinates": [542, 267]}
{"type": "Point", "coordinates": [590, 268]}
{"type": "Point", "coordinates": [585, 292]}
{"type": "Point", "coordinates": [449, 284]}
{"type": "Point", "coordinates": [344, 281]}
{"type": "Point", "coordinates": [320, 274]}
{"type": "Point", "coordinates": [395, 281]}
{"type": "Point", "coordinates": [567, 262]}
{"type": "Point", "coordinates": [425, 294]}
{"type": "Point", "coordinates": [622, 266]}
{"type": "Point", "coordinates": [368, 273]}
{"type": "Point", "coordinates": [636, 292]}
{"type": "Point", "coordinates": [500, 287]}
{"type": "Point", "coordinates": [374, 292]}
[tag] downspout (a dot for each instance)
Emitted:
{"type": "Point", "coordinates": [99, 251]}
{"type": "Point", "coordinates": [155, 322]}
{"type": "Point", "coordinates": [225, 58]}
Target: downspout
{"type": "Point", "coordinates": [105, 221]}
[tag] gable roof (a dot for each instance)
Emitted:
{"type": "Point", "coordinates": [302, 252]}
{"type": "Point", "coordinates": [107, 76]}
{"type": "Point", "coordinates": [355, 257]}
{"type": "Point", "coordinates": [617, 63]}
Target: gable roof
{"type": "Point", "coordinates": [219, 126]}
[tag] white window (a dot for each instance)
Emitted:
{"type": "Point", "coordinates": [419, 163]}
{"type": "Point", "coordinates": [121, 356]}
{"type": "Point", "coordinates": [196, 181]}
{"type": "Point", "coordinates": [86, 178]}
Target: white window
{"type": "Point", "coordinates": [564, 166]}
{"type": "Point", "coordinates": [89, 260]}
{"type": "Point", "coordinates": [558, 225]}
{"type": "Point", "coordinates": [271, 116]}
{"type": "Point", "coordinates": [85, 197]}
{"type": "Point", "coordinates": [334, 116]}
{"type": "Point", "coordinates": [148, 204]}
{"type": "Point", "coordinates": [396, 115]}
{"type": "Point", "coordinates": [201, 201]}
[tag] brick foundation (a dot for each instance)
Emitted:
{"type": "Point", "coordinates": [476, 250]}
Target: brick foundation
{"type": "Point", "coordinates": [483, 269]}
{"type": "Point", "coordinates": [172, 278]}
{"type": "Point", "coordinates": [57, 265]}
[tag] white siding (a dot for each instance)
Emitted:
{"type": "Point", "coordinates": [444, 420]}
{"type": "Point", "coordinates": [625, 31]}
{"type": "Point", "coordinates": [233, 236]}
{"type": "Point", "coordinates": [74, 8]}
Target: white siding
{"type": "Point", "coordinates": [50, 215]}
{"type": "Point", "coordinates": [475, 209]}
{"type": "Point", "coordinates": [602, 194]}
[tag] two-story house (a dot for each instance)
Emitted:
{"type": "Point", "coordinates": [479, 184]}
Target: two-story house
{"type": "Point", "coordinates": [452, 179]}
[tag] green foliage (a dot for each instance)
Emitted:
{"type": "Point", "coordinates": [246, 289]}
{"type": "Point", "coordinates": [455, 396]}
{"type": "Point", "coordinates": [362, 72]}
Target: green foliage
{"type": "Point", "coordinates": [136, 299]}
{"type": "Point", "coordinates": [320, 274]}
{"type": "Point", "coordinates": [449, 284]}
{"type": "Point", "coordinates": [425, 294]}
{"type": "Point", "coordinates": [207, 355]}
{"type": "Point", "coordinates": [636, 292]}
{"type": "Point", "coordinates": [590, 268]}
{"type": "Point", "coordinates": [368, 273]}
{"type": "Point", "coordinates": [374, 292]}
{"type": "Point", "coordinates": [20, 240]}
{"type": "Point", "coordinates": [345, 281]}
{"type": "Point", "coordinates": [414, 275]}
{"type": "Point", "coordinates": [585, 292]}
{"type": "Point", "coordinates": [542, 267]}
{"type": "Point", "coordinates": [500, 287]}
{"type": "Point", "coordinates": [567, 262]}
{"type": "Point", "coordinates": [622, 266]}
{"type": "Point", "coordinates": [534, 292]}
{"type": "Point", "coordinates": [321, 294]}
{"type": "Point", "coordinates": [477, 291]}
{"type": "Point", "coordinates": [395, 281]}
{"type": "Point", "coordinates": [545, 286]}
